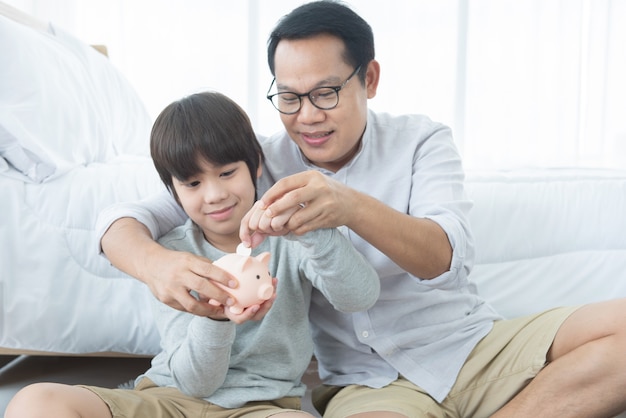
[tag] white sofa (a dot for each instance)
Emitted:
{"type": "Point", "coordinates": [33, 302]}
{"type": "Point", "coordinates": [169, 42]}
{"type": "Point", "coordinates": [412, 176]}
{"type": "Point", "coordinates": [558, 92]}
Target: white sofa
{"type": "Point", "coordinates": [548, 237]}
{"type": "Point", "coordinates": [543, 238]}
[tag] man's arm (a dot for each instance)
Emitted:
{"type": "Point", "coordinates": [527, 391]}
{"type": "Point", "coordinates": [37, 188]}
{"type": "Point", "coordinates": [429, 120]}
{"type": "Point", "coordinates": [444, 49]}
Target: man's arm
{"type": "Point", "coordinates": [126, 234]}
{"type": "Point", "coordinates": [418, 245]}
{"type": "Point", "coordinates": [169, 274]}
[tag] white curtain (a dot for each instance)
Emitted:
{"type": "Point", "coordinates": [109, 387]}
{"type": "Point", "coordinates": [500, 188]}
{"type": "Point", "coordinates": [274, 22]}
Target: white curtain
{"type": "Point", "coordinates": [523, 83]}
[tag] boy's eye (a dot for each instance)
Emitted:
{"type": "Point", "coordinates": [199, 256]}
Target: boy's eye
{"type": "Point", "coordinates": [193, 183]}
{"type": "Point", "coordinates": [228, 173]}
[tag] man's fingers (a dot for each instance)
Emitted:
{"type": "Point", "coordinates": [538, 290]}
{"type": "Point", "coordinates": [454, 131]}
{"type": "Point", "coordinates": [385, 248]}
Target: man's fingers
{"type": "Point", "coordinates": [207, 290]}
{"type": "Point", "coordinates": [256, 213]}
{"type": "Point", "coordinates": [196, 307]}
{"type": "Point", "coordinates": [284, 186]}
{"type": "Point", "coordinates": [278, 222]}
{"type": "Point", "coordinates": [289, 203]}
{"type": "Point", "coordinates": [204, 269]}
{"type": "Point", "coordinates": [250, 223]}
{"type": "Point", "coordinates": [264, 223]}
{"type": "Point", "coordinates": [201, 278]}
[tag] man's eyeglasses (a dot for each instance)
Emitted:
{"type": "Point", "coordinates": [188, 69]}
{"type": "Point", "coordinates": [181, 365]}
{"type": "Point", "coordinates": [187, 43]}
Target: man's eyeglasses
{"type": "Point", "coordinates": [325, 98]}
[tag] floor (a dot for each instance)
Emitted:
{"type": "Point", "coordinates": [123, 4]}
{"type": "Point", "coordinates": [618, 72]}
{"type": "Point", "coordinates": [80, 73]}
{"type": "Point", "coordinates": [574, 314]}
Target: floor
{"type": "Point", "coordinates": [17, 372]}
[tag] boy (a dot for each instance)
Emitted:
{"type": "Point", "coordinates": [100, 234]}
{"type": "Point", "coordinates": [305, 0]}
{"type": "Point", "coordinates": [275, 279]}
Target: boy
{"type": "Point", "coordinates": [206, 153]}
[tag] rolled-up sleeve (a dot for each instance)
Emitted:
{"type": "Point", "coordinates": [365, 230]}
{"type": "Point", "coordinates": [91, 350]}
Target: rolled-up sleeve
{"type": "Point", "coordinates": [159, 213]}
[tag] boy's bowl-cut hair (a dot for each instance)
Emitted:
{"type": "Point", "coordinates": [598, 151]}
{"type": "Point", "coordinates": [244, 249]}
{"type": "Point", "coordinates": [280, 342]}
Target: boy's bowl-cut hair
{"type": "Point", "coordinates": [203, 126]}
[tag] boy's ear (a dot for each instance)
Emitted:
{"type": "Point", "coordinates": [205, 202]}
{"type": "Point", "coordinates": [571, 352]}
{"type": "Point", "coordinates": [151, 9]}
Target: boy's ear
{"type": "Point", "coordinates": [259, 171]}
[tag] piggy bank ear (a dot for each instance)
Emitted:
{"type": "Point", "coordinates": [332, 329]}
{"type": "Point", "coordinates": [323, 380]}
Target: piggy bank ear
{"type": "Point", "coordinates": [243, 263]}
{"type": "Point", "coordinates": [264, 258]}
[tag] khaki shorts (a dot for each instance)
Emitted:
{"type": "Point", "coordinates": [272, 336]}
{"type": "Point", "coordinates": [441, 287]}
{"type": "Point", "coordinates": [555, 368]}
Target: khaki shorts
{"type": "Point", "coordinates": [148, 400]}
{"type": "Point", "coordinates": [498, 368]}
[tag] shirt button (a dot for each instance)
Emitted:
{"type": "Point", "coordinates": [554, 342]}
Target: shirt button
{"type": "Point", "coordinates": [365, 334]}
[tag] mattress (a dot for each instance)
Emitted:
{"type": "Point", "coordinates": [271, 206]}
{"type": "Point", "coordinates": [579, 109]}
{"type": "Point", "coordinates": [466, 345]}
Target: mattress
{"type": "Point", "coordinates": [74, 139]}
{"type": "Point", "coordinates": [58, 294]}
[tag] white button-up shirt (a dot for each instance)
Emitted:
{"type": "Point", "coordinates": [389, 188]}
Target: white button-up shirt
{"type": "Point", "coordinates": [421, 329]}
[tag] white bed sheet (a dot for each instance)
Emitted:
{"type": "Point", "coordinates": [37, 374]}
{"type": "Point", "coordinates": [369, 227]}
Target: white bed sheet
{"type": "Point", "coordinates": [74, 139]}
{"type": "Point", "coordinates": [56, 293]}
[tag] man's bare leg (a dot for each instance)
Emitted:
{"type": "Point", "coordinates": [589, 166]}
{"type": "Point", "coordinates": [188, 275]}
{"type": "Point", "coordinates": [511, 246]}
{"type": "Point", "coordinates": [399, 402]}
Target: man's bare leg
{"type": "Point", "coordinates": [586, 374]}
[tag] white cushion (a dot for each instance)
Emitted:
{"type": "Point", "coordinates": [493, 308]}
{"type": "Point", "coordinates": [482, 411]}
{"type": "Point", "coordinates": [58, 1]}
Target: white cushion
{"type": "Point", "coordinates": [62, 104]}
{"type": "Point", "coordinates": [549, 237]}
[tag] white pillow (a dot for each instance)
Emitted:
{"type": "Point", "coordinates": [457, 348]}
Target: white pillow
{"type": "Point", "coordinates": [63, 104]}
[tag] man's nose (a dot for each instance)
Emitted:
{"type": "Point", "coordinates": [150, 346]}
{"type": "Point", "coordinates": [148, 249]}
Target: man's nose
{"type": "Point", "coordinates": [309, 113]}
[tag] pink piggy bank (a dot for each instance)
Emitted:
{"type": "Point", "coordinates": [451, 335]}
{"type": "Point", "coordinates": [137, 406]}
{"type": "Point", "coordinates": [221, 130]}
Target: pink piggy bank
{"type": "Point", "coordinates": [255, 281]}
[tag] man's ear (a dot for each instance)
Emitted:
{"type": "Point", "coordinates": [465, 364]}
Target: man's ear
{"type": "Point", "coordinates": [372, 76]}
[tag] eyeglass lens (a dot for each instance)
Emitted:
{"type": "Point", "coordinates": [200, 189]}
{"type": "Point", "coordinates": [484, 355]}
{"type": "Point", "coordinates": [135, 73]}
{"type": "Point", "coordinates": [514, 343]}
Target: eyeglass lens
{"type": "Point", "coordinates": [324, 98]}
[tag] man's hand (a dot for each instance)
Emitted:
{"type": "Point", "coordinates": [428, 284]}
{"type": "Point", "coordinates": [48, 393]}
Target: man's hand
{"type": "Point", "coordinates": [299, 203]}
{"type": "Point", "coordinates": [172, 275]}
{"type": "Point", "coordinates": [418, 245]}
{"type": "Point", "coordinates": [169, 274]}
{"type": "Point", "coordinates": [256, 225]}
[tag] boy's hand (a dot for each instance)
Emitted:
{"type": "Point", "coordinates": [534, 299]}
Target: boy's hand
{"type": "Point", "coordinates": [251, 313]}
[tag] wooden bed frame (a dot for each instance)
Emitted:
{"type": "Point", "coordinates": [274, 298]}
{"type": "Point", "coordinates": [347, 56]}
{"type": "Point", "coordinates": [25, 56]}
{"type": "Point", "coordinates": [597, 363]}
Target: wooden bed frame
{"type": "Point", "coordinates": [27, 20]}
{"type": "Point", "coordinates": [21, 17]}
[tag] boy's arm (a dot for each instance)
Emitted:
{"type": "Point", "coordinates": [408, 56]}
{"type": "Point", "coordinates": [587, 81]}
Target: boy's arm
{"type": "Point", "coordinates": [197, 350]}
{"type": "Point", "coordinates": [338, 270]}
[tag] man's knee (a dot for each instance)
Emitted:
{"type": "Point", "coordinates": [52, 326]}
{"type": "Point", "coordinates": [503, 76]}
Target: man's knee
{"type": "Point", "coordinates": [592, 322]}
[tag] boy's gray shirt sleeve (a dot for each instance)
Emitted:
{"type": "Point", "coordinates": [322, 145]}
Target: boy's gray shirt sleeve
{"type": "Point", "coordinates": [188, 342]}
{"type": "Point", "coordinates": [338, 270]}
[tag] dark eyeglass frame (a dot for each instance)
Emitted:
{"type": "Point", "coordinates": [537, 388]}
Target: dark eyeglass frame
{"type": "Point", "coordinates": [309, 94]}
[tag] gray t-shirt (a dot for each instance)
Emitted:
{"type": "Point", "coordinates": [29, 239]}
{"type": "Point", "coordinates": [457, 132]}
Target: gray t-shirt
{"type": "Point", "coordinates": [229, 364]}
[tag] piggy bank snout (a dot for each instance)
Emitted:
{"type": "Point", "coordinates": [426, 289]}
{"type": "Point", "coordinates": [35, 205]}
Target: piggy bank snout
{"type": "Point", "coordinates": [265, 291]}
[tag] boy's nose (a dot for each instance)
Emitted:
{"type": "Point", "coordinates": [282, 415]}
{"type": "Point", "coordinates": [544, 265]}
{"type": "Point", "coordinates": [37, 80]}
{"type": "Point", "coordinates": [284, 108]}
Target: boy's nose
{"type": "Point", "coordinates": [214, 193]}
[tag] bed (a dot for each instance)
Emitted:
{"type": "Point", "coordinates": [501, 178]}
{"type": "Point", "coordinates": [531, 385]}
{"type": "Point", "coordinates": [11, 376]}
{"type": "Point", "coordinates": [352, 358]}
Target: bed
{"type": "Point", "coordinates": [73, 139]}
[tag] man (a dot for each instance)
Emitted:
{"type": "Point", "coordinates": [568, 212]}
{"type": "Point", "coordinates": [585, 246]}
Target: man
{"type": "Point", "coordinates": [430, 346]}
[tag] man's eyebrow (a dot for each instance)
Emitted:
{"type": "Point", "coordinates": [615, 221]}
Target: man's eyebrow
{"type": "Point", "coordinates": [327, 82]}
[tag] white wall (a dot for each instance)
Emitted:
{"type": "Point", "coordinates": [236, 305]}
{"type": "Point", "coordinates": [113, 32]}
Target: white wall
{"type": "Point", "coordinates": [522, 83]}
